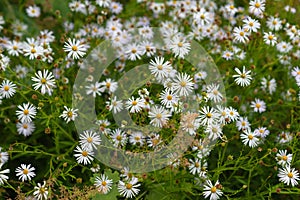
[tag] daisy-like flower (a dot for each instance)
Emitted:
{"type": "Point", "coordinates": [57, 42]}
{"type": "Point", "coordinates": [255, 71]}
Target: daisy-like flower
{"type": "Point", "coordinates": [242, 123]}
{"type": "Point", "coordinates": [168, 98]}
{"type": "Point", "coordinates": [257, 7]}
{"type": "Point", "coordinates": [7, 89]}
{"type": "Point", "coordinates": [129, 188]}
{"type": "Point", "coordinates": [213, 93]}
{"type": "Point", "coordinates": [208, 115]}
{"type": "Point", "coordinates": [159, 68]}
{"type": "Point", "coordinates": [103, 184]}
{"type": "Point", "coordinates": [153, 140]}
{"type": "Point", "coordinates": [14, 47]}
{"type": "Point", "coordinates": [296, 73]}
{"type": "Point", "coordinates": [25, 128]}
{"type": "Point", "coordinates": [283, 158]}
{"type": "Point", "coordinates": [227, 55]}
{"type": "Point", "coordinates": [134, 105]}
{"type": "Point", "coordinates": [242, 78]}
{"type": "Point", "coordinates": [268, 84]}
{"type": "Point", "coordinates": [69, 114]}
{"type": "Point", "coordinates": [258, 105]}
{"type": "Point", "coordinates": [251, 25]}
{"type": "Point", "coordinates": [41, 191]}
{"type": "Point", "coordinates": [196, 166]}
{"type": "Point", "coordinates": [159, 116]}
{"type": "Point", "coordinates": [262, 132]}
{"type": "Point", "coordinates": [84, 156]}
{"type": "Point", "coordinates": [25, 172]}
{"type": "Point", "coordinates": [202, 17]}
{"type": "Point", "coordinates": [214, 131]}
{"type": "Point", "coordinates": [33, 11]}
{"type": "Point", "coordinates": [133, 51]}
{"type": "Point", "coordinates": [284, 137]}
{"type": "Point", "coordinates": [94, 89]}
{"type": "Point", "coordinates": [26, 112]}
{"type": "Point", "coordinates": [3, 177]}
{"type": "Point", "coordinates": [240, 35]}
{"type": "Point", "coordinates": [183, 84]}
{"type": "Point", "coordinates": [274, 23]}
{"type": "Point", "coordinates": [75, 49]}
{"type": "Point", "coordinates": [212, 191]}
{"type": "Point", "coordinates": [289, 175]}
{"type": "Point", "coordinates": [89, 140]}
{"type": "Point", "coordinates": [270, 38]}
{"type": "Point", "coordinates": [3, 157]}
{"type": "Point", "coordinates": [45, 81]}
{"type": "Point", "coordinates": [109, 85]}
{"type": "Point", "coordinates": [119, 137]}
{"type": "Point", "coordinates": [249, 138]}
{"type": "Point", "coordinates": [33, 51]}
{"type": "Point", "coordinates": [137, 138]}
{"type": "Point", "coordinates": [179, 46]}
{"type": "Point", "coordinates": [114, 105]}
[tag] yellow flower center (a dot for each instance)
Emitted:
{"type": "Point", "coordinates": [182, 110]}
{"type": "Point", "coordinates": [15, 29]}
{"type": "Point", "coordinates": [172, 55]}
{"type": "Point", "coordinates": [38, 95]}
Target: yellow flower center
{"type": "Point", "coordinates": [25, 126]}
{"type": "Point", "coordinates": [250, 136]}
{"type": "Point", "coordinates": [209, 115]}
{"type": "Point", "coordinates": [183, 83]}
{"type": "Point", "coordinates": [134, 103]}
{"type": "Point", "coordinates": [180, 44]}
{"type": "Point", "coordinates": [169, 97]}
{"type": "Point", "coordinates": [159, 67]}
{"type": "Point", "coordinates": [251, 23]}
{"type": "Point", "coordinates": [104, 183]}
{"type": "Point", "coordinates": [119, 138]}
{"type": "Point", "coordinates": [158, 116]}
{"type": "Point", "coordinates": [257, 5]}
{"type": "Point", "coordinates": [89, 139]}
{"type": "Point", "coordinates": [271, 37]}
{"type": "Point", "coordinates": [242, 34]}
{"type": "Point", "coordinates": [33, 51]}
{"type": "Point", "coordinates": [42, 190]}
{"type": "Point", "coordinates": [6, 88]}
{"type": "Point", "coordinates": [26, 112]}
{"type": "Point", "coordinates": [133, 50]}
{"type": "Point", "coordinates": [43, 80]}
{"type": "Point", "coordinates": [108, 85]}
{"type": "Point", "coordinates": [137, 138]}
{"type": "Point", "coordinates": [197, 164]}
{"type": "Point", "coordinates": [70, 114]}
{"type": "Point", "coordinates": [128, 186]}
{"type": "Point", "coordinates": [74, 48]}
{"type": "Point", "coordinates": [284, 158]}
{"type": "Point", "coordinates": [15, 47]}
{"type": "Point", "coordinates": [25, 171]}
{"type": "Point", "coordinates": [290, 175]}
{"type": "Point", "coordinates": [84, 153]}
{"type": "Point", "coordinates": [213, 189]}
{"type": "Point", "coordinates": [257, 105]}
{"type": "Point", "coordinates": [243, 75]}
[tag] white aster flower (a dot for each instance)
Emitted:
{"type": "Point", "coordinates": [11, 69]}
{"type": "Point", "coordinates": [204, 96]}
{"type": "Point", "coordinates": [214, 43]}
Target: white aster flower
{"type": "Point", "coordinates": [212, 191]}
{"type": "Point", "coordinates": [25, 172]}
{"type": "Point", "coordinates": [288, 175]}
{"type": "Point", "coordinates": [45, 81]}
{"type": "Point", "coordinates": [243, 78]}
